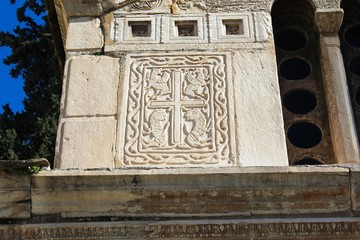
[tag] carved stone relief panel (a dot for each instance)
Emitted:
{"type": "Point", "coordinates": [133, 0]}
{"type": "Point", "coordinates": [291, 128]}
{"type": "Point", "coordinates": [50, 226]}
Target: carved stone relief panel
{"type": "Point", "coordinates": [135, 30]}
{"type": "Point", "coordinates": [231, 27]}
{"type": "Point", "coordinates": [178, 111]}
{"type": "Point", "coordinates": [148, 6]}
{"type": "Point", "coordinates": [217, 6]}
{"type": "Point", "coordinates": [327, 3]}
{"type": "Point", "coordinates": [222, 5]}
{"type": "Point", "coordinates": [145, 5]}
{"type": "Point", "coordinates": [190, 28]}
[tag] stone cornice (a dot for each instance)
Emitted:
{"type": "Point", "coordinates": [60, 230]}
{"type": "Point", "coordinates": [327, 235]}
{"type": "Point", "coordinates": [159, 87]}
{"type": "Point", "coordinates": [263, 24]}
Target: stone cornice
{"type": "Point", "coordinates": [246, 192]}
{"type": "Point", "coordinates": [232, 203]}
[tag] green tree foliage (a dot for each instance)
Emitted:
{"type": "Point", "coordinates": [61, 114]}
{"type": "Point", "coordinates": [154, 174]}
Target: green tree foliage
{"type": "Point", "coordinates": [32, 132]}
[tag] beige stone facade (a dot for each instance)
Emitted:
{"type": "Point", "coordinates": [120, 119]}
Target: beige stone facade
{"type": "Point", "coordinates": [148, 66]}
{"type": "Point", "coordinates": [175, 124]}
{"type": "Point", "coordinates": [183, 84]}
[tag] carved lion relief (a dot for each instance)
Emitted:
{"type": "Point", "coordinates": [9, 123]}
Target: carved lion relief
{"type": "Point", "coordinates": [177, 111]}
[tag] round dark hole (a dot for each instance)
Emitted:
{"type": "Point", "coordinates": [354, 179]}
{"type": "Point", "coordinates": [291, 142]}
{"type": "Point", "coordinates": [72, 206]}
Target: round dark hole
{"type": "Point", "coordinates": [355, 65]}
{"type": "Point", "coordinates": [290, 40]}
{"type": "Point", "coordinates": [308, 161]}
{"type": "Point", "coordinates": [299, 101]}
{"type": "Point", "coordinates": [304, 135]}
{"type": "Point", "coordinates": [357, 96]}
{"type": "Point", "coordinates": [352, 36]}
{"type": "Point", "coordinates": [295, 69]}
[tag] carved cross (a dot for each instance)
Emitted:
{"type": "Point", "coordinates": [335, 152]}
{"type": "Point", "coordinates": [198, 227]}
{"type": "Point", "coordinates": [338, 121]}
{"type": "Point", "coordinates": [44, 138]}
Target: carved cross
{"type": "Point", "coordinates": [176, 104]}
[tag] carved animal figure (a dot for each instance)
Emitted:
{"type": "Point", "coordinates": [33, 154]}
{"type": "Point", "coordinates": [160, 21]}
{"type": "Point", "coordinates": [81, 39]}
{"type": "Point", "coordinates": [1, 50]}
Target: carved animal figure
{"type": "Point", "coordinates": [159, 83]}
{"type": "Point", "coordinates": [196, 80]}
{"type": "Point", "coordinates": [159, 122]}
{"type": "Point", "coordinates": [197, 135]}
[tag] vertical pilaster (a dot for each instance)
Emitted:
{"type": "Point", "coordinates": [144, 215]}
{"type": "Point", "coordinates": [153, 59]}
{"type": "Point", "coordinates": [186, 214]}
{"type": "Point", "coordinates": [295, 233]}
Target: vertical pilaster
{"type": "Point", "coordinates": [343, 132]}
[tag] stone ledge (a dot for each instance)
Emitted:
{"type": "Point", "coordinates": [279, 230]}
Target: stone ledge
{"type": "Point", "coordinates": [228, 203]}
{"type": "Point", "coordinates": [254, 192]}
{"type": "Point", "coordinates": [15, 186]}
{"type": "Point", "coordinates": [246, 192]}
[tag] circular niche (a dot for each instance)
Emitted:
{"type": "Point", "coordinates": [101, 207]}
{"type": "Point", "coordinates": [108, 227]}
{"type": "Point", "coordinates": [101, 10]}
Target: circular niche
{"type": "Point", "coordinates": [304, 135]}
{"type": "Point", "coordinates": [290, 40]}
{"type": "Point", "coordinates": [352, 36]}
{"type": "Point", "coordinates": [308, 161]}
{"type": "Point", "coordinates": [295, 69]}
{"type": "Point", "coordinates": [300, 101]}
{"type": "Point", "coordinates": [355, 65]}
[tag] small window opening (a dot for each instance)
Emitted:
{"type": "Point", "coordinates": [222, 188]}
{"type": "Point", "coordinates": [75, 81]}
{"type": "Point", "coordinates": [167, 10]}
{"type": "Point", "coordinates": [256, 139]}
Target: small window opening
{"type": "Point", "coordinates": [186, 28]}
{"type": "Point", "coordinates": [234, 27]}
{"type": "Point", "coordinates": [140, 29]}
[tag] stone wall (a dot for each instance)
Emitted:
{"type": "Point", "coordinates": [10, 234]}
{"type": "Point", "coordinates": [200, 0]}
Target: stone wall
{"type": "Point", "coordinates": [128, 98]}
{"type": "Point", "coordinates": [228, 116]}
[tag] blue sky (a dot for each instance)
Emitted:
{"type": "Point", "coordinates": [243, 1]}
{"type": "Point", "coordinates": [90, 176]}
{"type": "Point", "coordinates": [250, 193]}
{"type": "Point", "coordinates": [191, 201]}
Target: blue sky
{"type": "Point", "coordinates": [10, 89]}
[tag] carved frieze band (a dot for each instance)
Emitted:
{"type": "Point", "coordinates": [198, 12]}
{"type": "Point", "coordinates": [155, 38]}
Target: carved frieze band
{"type": "Point", "coordinates": [250, 230]}
{"type": "Point", "coordinates": [177, 111]}
{"type": "Point", "coordinates": [244, 5]}
{"type": "Point", "coordinates": [113, 230]}
{"type": "Point", "coordinates": [229, 5]}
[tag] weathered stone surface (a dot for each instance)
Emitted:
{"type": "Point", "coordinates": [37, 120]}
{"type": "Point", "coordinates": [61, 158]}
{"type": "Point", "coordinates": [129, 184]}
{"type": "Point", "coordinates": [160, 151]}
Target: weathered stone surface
{"type": "Point", "coordinates": [263, 26]}
{"type": "Point", "coordinates": [84, 35]}
{"type": "Point", "coordinates": [355, 189]}
{"type": "Point", "coordinates": [242, 192]}
{"type": "Point", "coordinates": [258, 114]}
{"type": "Point", "coordinates": [81, 7]}
{"type": "Point", "coordinates": [86, 143]}
{"type": "Point", "coordinates": [257, 203]}
{"type": "Point", "coordinates": [90, 86]}
{"type": "Point", "coordinates": [232, 229]}
{"type": "Point", "coordinates": [14, 196]}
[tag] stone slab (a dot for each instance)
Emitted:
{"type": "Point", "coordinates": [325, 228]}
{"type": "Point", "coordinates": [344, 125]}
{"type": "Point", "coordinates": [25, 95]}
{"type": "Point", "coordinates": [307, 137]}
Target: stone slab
{"type": "Point", "coordinates": [86, 143]}
{"type": "Point", "coordinates": [241, 192]}
{"type": "Point", "coordinates": [355, 189]}
{"type": "Point", "coordinates": [258, 114]}
{"type": "Point", "coordinates": [84, 35]}
{"type": "Point", "coordinates": [263, 26]}
{"type": "Point", "coordinates": [232, 229]}
{"type": "Point", "coordinates": [81, 8]}
{"type": "Point", "coordinates": [14, 196]}
{"type": "Point", "coordinates": [91, 86]}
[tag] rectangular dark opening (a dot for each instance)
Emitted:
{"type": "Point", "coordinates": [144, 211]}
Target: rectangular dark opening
{"type": "Point", "coordinates": [234, 27]}
{"type": "Point", "coordinates": [186, 28]}
{"type": "Point", "coordinates": [140, 28]}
